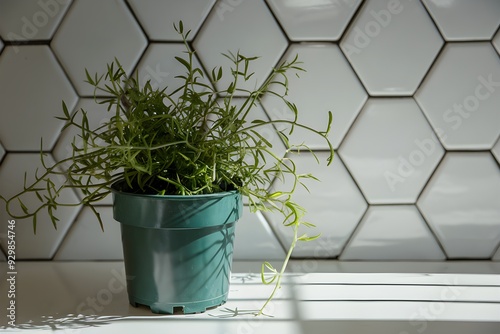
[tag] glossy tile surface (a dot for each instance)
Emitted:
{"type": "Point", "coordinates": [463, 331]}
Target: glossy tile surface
{"type": "Point", "coordinates": [334, 205]}
{"type": "Point", "coordinates": [328, 84]}
{"type": "Point", "coordinates": [232, 27]}
{"type": "Point", "coordinates": [105, 245]}
{"type": "Point", "coordinates": [391, 150]}
{"type": "Point", "coordinates": [351, 49]}
{"type": "Point", "coordinates": [466, 114]}
{"type": "Point", "coordinates": [254, 239]}
{"type": "Point", "coordinates": [392, 233]}
{"type": "Point", "coordinates": [461, 205]}
{"type": "Point", "coordinates": [44, 244]}
{"type": "Point", "coordinates": [391, 45]}
{"type": "Point", "coordinates": [314, 20]}
{"type": "Point", "coordinates": [30, 119]}
{"type": "Point", "coordinates": [462, 20]}
{"type": "Point", "coordinates": [157, 17]}
{"type": "Point", "coordinates": [30, 19]}
{"type": "Point", "coordinates": [89, 39]}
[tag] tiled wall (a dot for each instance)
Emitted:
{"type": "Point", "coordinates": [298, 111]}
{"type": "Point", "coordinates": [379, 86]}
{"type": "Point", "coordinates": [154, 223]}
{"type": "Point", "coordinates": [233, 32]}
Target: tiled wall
{"type": "Point", "coordinates": [414, 87]}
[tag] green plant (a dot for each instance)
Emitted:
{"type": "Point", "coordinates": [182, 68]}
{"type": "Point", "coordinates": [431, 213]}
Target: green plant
{"type": "Point", "coordinates": [194, 140]}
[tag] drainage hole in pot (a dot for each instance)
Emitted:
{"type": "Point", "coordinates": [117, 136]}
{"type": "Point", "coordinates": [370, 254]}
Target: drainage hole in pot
{"type": "Point", "coordinates": [178, 310]}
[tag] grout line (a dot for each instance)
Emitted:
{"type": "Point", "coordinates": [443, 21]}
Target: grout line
{"type": "Point", "coordinates": [426, 219]}
{"type": "Point", "coordinates": [355, 231]}
{"type": "Point", "coordinates": [352, 21]}
{"type": "Point", "coordinates": [63, 17]}
{"type": "Point", "coordinates": [433, 20]}
{"type": "Point", "coordinates": [495, 33]}
{"type": "Point", "coordinates": [431, 175]}
{"type": "Point", "coordinates": [339, 156]}
{"type": "Point", "coordinates": [148, 41]}
{"type": "Point", "coordinates": [136, 19]}
{"type": "Point", "coordinates": [191, 44]}
{"type": "Point", "coordinates": [3, 253]}
{"type": "Point", "coordinates": [430, 69]}
{"type": "Point", "coordinates": [360, 110]}
{"type": "Point", "coordinates": [495, 250]}
{"type": "Point", "coordinates": [349, 23]}
{"type": "Point", "coordinates": [278, 22]}
{"type": "Point", "coordinates": [204, 19]}
{"type": "Point", "coordinates": [27, 42]}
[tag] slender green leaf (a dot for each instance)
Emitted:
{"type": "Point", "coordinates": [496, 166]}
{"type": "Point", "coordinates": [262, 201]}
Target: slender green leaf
{"type": "Point", "coordinates": [306, 238]}
{"type": "Point", "coordinates": [263, 271]}
{"type": "Point", "coordinates": [23, 207]}
{"type": "Point", "coordinates": [184, 62]}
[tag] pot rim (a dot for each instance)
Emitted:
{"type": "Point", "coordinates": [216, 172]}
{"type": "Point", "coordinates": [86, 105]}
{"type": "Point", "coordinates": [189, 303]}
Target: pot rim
{"type": "Point", "coordinates": [183, 197]}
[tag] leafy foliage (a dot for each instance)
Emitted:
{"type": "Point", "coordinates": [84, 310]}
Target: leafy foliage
{"type": "Point", "coordinates": [194, 140]}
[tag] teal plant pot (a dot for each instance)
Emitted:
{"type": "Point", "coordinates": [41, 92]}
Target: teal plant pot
{"type": "Point", "coordinates": [177, 249]}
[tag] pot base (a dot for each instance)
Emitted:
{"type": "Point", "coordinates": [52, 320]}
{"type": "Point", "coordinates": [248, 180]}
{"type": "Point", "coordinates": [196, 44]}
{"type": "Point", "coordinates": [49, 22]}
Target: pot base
{"type": "Point", "coordinates": [179, 308]}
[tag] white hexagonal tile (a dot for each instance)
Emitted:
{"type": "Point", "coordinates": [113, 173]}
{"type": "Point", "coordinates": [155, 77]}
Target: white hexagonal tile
{"type": "Point", "coordinates": [89, 39]}
{"type": "Point", "coordinates": [460, 20]}
{"type": "Point", "coordinates": [461, 203]}
{"type": "Point", "coordinates": [334, 204]}
{"type": "Point", "coordinates": [314, 20]}
{"type": "Point", "coordinates": [389, 233]}
{"type": "Point", "coordinates": [158, 16]}
{"type": "Point", "coordinates": [391, 45]}
{"type": "Point", "coordinates": [159, 66]}
{"type": "Point", "coordinates": [465, 113]}
{"type": "Point", "coordinates": [254, 239]}
{"type": "Point", "coordinates": [247, 27]}
{"type": "Point", "coordinates": [34, 101]}
{"type": "Point", "coordinates": [391, 150]}
{"type": "Point", "coordinates": [329, 84]}
{"type": "Point", "coordinates": [46, 241]}
{"type": "Point", "coordinates": [496, 150]}
{"type": "Point", "coordinates": [96, 114]}
{"type": "Point", "coordinates": [86, 241]}
{"type": "Point", "coordinates": [31, 19]}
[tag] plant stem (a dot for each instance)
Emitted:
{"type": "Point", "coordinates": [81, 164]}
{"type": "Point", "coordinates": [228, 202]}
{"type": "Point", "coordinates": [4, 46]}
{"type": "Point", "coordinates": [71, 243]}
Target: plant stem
{"type": "Point", "coordinates": [277, 285]}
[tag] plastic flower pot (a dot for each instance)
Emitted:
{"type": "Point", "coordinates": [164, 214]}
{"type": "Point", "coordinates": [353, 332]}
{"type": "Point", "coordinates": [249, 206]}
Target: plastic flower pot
{"type": "Point", "coordinates": [177, 249]}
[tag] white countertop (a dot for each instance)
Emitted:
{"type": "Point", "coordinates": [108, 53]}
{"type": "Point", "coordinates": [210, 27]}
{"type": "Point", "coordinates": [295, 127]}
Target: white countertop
{"type": "Point", "coordinates": [91, 297]}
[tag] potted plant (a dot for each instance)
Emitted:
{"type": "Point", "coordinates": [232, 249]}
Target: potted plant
{"type": "Point", "coordinates": [179, 165]}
